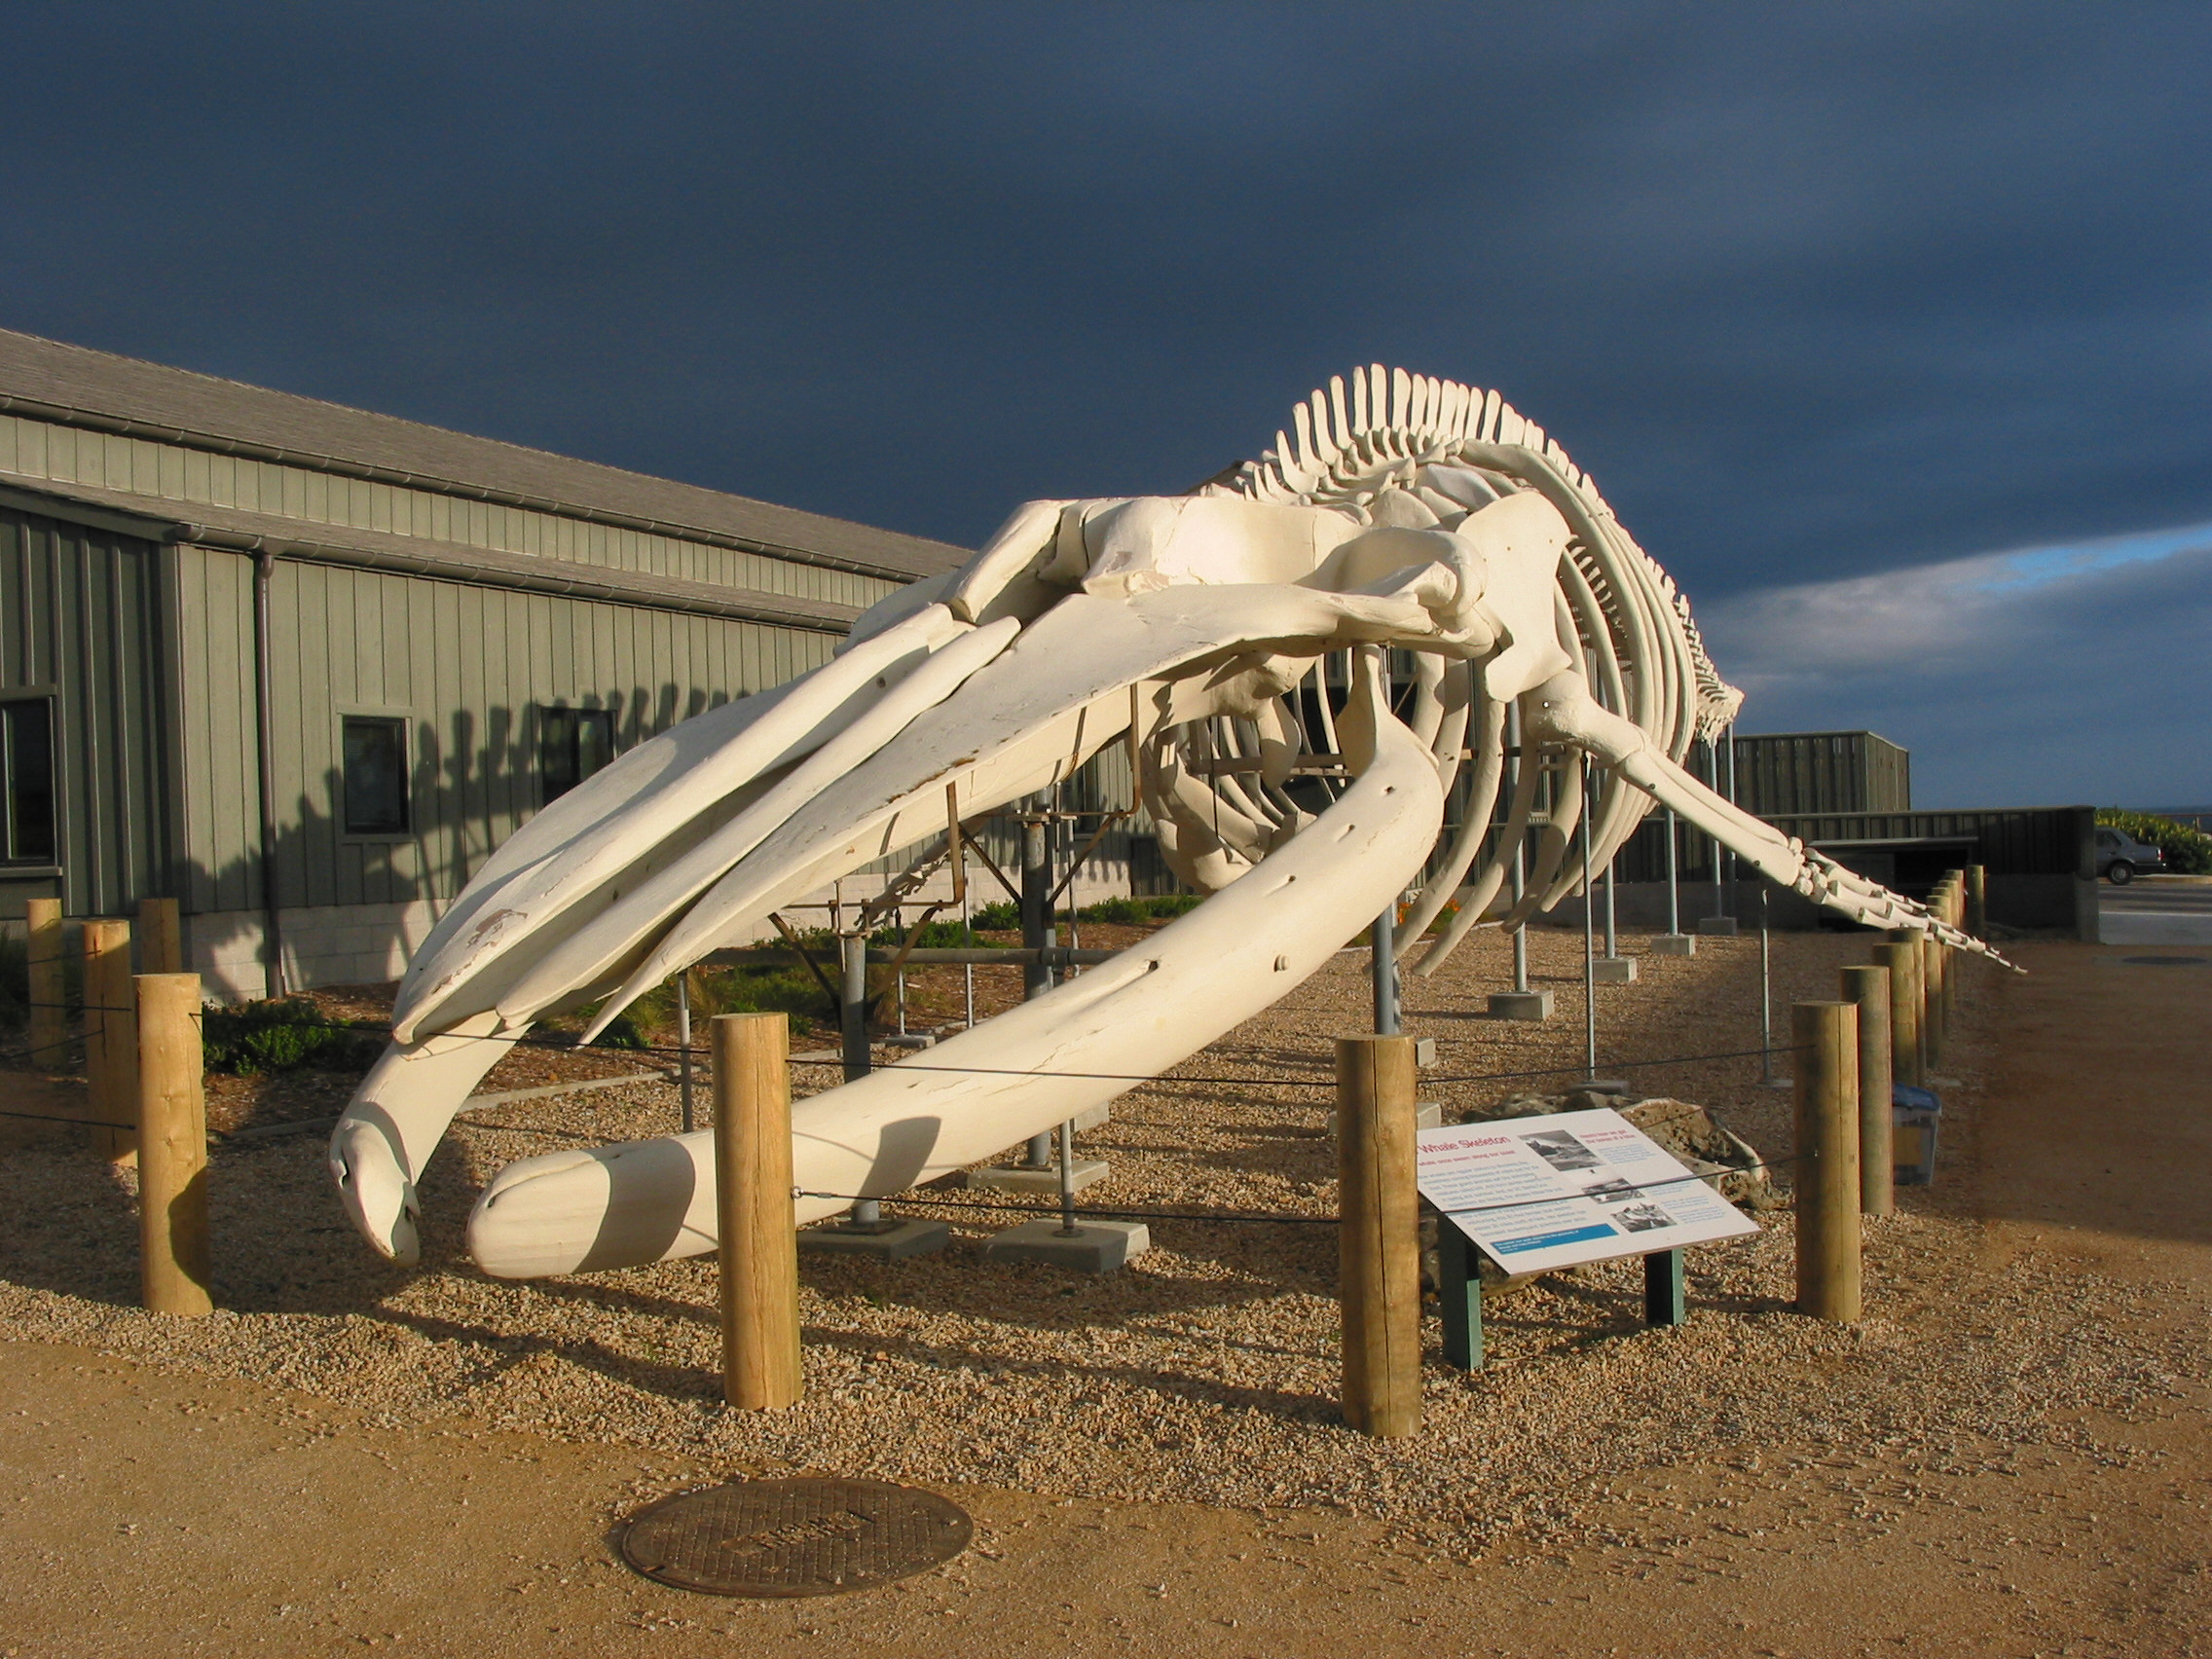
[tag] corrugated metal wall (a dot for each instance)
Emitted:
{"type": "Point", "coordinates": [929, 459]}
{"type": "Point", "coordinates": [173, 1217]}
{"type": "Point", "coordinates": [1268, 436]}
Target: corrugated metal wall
{"type": "Point", "coordinates": [1821, 771]}
{"type": "Point", "coordinates": [467, 668]}
{"type": "Point", "coordinates": [80, 618]}
{"type": "Point", "coordinates": [39, 448]}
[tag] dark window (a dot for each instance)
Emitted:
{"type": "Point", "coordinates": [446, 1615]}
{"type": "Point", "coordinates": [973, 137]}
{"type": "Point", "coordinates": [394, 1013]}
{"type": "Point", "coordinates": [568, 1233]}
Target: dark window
{"type": "Point", "coordinates": [571, 745]}
{"type": "Point", "coordinates": [376, 775]}
{"type": "Point", "coordinates": [26, 756]}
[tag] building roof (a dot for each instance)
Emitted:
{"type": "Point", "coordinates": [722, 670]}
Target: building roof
{"type": "Point", "coordinates": [245, 531]}
{"type": "Point", "coordinates": [76, 385]}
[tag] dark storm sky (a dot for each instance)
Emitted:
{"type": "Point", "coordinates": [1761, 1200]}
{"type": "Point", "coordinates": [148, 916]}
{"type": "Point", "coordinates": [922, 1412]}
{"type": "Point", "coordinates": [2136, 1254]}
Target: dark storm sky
{"type": "Point", "coordinates": [1819, 293]}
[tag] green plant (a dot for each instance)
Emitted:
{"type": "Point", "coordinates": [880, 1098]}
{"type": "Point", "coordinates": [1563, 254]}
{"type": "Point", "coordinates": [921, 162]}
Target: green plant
{"type": "Point", "coordinates": [997, 917]}
{"type": "Point", "coordinates": [2188, 852]}
{"type": "Point", "coordinates": [622, 1033]}
{"type": "Point", "coordinates": [282, 1036]}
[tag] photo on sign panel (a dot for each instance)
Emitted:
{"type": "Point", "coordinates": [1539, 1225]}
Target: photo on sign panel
{"type": "Point", "coordinates": [1613, 1192]}
{"type": "Point", "coordinates": [1561, 1151]}
{"type": "Point", "coordinates": [1642, 1217]}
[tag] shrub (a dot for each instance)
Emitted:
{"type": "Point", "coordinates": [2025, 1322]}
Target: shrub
{"type": "Point", "coordinates": [284, 1035]}
{"type": "Point", "coordinates": [2188, 852]}
{"type": "Point", "coordinates": [997, 917]}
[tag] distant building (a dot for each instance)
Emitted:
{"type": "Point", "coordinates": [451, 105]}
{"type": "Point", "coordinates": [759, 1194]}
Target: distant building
{"type": "Point", "coordinates": [1782, 774]}
{"type": "Point", "coordinates": [453, 631]}
{"type": "Point", "coordinates": [1849, 794]}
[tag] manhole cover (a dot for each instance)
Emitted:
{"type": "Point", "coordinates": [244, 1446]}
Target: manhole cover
{"type": "Point", "coordinates": [2166, 961]}
{"type": "Point", "coordinates": [802, 1537]}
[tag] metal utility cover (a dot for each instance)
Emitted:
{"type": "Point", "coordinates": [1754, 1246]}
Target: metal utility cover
{"type": "Point", "coordinates": [795, 1537]}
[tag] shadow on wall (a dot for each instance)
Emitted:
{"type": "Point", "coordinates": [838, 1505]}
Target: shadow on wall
{"type": "Point", "coordinates": [470, 785]}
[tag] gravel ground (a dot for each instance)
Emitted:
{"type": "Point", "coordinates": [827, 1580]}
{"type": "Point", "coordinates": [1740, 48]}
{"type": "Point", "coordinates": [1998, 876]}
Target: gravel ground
{"type": "Point", "coordinates": [1207, 1370]}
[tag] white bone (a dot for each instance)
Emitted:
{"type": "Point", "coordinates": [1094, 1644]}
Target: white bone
{"type": "Point", "coordinates": [1036, 1066]}
{"type": "Point", "coordinates": [1400, 511]}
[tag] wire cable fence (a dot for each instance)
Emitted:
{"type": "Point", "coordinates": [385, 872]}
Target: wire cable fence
{"type": "Point", "coordinates": [923, 1199]}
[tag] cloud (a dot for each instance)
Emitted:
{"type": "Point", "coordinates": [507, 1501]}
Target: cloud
{"type": "Point", "coordinates": [1812, 290]}
{"type": "Point", "coordinates": [2039, 675]}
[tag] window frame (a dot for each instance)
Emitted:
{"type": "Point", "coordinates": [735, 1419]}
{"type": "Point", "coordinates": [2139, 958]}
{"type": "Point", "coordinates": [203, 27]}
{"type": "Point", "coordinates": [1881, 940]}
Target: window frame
{"type": "Point", "coordinates": [580, 712]}
{"type": "Point", "coordinates": [14, 868]}
{"type": "Point", "coordinates": [404, 720]}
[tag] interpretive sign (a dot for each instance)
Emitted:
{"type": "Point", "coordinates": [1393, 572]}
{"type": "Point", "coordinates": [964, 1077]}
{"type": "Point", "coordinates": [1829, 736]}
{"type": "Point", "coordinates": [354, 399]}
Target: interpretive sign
{"type": "Point", "coordinates": [1543, 1193]}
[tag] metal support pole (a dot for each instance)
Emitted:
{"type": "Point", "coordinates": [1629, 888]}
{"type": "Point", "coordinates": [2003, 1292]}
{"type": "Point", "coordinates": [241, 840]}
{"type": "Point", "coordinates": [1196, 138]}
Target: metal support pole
{"type": "Point", "coordinates": [1589, 940]}
{"type": "Point", "coordinates": [967, 968]}
{"type": "Point", "coordinates": [756, 1231]}
{"type": "Point", "coordinates": [1612, 919]}
{"type": "Point", "coordinates": [899, 921]}
{"type": "Point", "coordinates": [1068, 1227]}
{"type": "Point", "coordinates": [1728, 890]}
{"type": "Point", "coordinates": [1767, 1079]}
{"type": "Point", "coordinates": [1826, 1180]}
{"type": "Point", "coordinates": [683, 1049]}
{"type": "Point", "coordinates": [852, 1003]}
{"type": "Point", "coordinates": [1674, 877]}
{"type": "Point", "coordinates": [1383, 971]}
{"type": "Point", "coordinates": [1378, 1235]}
{"type": "Point", "coordinates": [1515, 760]}
{"type": "Point", "coordinates": [1036, 920]}
{"type": "Point", "coordinates": [264, 755]}
{"type": "Point", "coordinates": [1712, 772]}
{"type": "Point", "coordinates": [859, 1059]}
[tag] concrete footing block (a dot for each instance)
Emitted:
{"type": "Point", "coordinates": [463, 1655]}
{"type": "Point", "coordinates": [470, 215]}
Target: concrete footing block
{"type": "Point", "coordinates": [1614, 970]}
{"type": "Point", "coordinates": [1717, 926]}
{"type": "Point", "coordinates": [892, 1241]}
{"type": "Point", "coordinates": [1424, 1052]}
{"type": "Point", "coordinates": [1520, 1005]}
{"type": "Point", "coordinates": [1093, 1248]}
{"type": "Point", "coordinates": [1673, 944]}
{"type": "Point", "coordinates": [1018, 1178]}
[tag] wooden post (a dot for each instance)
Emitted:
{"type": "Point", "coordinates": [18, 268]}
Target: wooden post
{"type": "Point", "coordinates": [161, 937]}
{"type": "Point", "coordinates": [1901, 957]}
{"type": "Point", "coordinates": [1957, 882]}
{"type": "Point", "coordinates": [759, 1231]}
{"type": "Point", "coordinates": [50, 1020]}
{"type": "Point", "coordinates": [174, 1269]}
{"type": "Point", "coordinates": [1378, 1235]}
{"type": "Point", "coordinates": [1977, 902]}
{"type": "Point", "coordinates": [1868, 989]}
{"type": "Point", "coordinates": [1931, 1004]}
{"type": "Point", "coordinates": [111, 1040]}
{"type": "Point", "coordinates": [1827, 1072]}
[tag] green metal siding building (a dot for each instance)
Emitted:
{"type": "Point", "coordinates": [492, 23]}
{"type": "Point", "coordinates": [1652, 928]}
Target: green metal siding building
{"type": "Point", "coordinates": [428, 635]}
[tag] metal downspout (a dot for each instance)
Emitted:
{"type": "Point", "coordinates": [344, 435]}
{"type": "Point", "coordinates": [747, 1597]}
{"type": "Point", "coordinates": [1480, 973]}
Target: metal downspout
{"type": "Point", "coordinates": [265, 749]}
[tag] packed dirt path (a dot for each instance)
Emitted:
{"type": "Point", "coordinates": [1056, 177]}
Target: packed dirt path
{"type": "Point", "coordinates": [160, 1511]}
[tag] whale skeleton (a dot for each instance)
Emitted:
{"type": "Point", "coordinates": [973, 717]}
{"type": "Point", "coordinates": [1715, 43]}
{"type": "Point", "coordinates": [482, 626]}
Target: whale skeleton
{"type": "Point", "coordinates": [1398, 514]}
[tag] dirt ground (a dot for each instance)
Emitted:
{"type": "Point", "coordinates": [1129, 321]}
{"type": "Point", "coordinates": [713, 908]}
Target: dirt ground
{"type": "Point", "coordinates": [167, 1508]}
